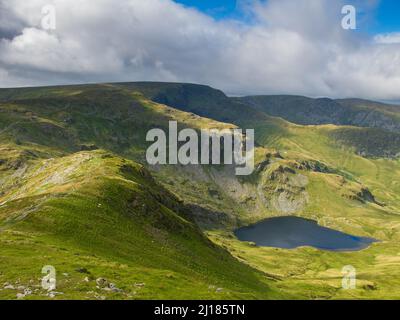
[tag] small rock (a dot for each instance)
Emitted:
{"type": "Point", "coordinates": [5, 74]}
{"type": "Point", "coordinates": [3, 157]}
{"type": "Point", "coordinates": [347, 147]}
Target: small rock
{"type": "Point", "coordinates": [20, 288]}
{"type": "Point", "coordinates": [20, 296]}
{"type": "Point", "coordinates": [86, 279]}
{"type": "Point", "coordinates": [52, 294]}
{"type": "Point", "coordinates": [27, 291]}
{"type": "Point", "coordinates": [98, 297]}
{"type": "Point", "coordinates": [139, 284]}
{"type": "Point", "coordinates": [101, 282]}
{"type": "Point", "coordinates": [114, 288]}
{"type": "Point", "coordinates": [10, 286]}
{"type": "Point", "coordinates": [219, 290]}
{"type": "Point", "coordinates": [83, 270]}
{"type": "Point", "coordinates": [65, 274]}
{"type": "Point", "coordinates": [369, 286]}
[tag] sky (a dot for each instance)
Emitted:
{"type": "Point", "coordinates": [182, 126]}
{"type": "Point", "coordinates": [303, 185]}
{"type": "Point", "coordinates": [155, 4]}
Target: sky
{"type": "Point", "coordinates": [386, 13]}
{"type": "Point", "coordinates": [387, 16]}
{"type": "Point", "coordinates": [219, 9]}
{"type": "Point", "coordinates": [242, 47]}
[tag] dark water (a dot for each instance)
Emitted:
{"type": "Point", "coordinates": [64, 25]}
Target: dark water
{"type": "Point", "coordinates": [293, 232]}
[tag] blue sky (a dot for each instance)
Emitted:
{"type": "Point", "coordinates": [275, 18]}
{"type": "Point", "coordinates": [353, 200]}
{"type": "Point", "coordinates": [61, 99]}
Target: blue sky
{"type": "Point", "coordinates": [384, 18]}
{"type": "Point", "coordinates": [388, 16]}
{"type": "Point", "coordinates": [219, 9]}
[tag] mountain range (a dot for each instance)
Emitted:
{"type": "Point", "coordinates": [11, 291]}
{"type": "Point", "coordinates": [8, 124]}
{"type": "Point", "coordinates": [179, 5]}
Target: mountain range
{"type": "Point", "coordinates": [76, 193]}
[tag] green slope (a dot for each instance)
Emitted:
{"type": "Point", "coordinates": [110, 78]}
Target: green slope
{"type": "Point", "coordinates": [95, 215]}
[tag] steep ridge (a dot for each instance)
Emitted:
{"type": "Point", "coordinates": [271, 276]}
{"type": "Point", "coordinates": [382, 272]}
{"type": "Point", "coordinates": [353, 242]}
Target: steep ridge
{"type": "Point", "coordinates": [199, 99]}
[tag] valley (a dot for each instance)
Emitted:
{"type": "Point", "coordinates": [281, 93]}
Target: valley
{"type": "Point", "coordinates": [76, 193]}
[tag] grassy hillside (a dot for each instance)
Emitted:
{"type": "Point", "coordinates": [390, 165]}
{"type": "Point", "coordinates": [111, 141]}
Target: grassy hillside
{"type": "Point", "coordinates": [70, 189]}
{"type": "Point", "coordinates": [94, 215]}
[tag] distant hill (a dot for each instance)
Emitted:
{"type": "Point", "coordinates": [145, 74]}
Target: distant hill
{"type": "Point", "coordinates": [384, 120]}
{"type": "Point", "coordinates": [202, 100]}
{"type": "Point", "coordinates": [307, 111]}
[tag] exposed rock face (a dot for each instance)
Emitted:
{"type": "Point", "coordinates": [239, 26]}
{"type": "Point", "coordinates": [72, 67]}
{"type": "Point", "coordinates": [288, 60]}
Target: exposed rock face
{"type": "Point", "coordinates": [313, 165]}
{"type": "Point", "coordinates": [362, 194]}
{"type": "Point", "coordinates": [366, 195]}
{"type": "Point", "coordinates": [283, 190]}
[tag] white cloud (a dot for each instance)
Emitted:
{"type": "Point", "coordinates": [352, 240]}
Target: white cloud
{"type": "Point", "coordinates": [388, 38]}
{"type": "Point", "coordinates": [39, 49]}
{"type": "Point", "coordinates": [291, 46]}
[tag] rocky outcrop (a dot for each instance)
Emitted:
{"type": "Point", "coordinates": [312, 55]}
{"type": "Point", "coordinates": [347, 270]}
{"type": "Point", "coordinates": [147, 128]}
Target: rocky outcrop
{"type": "Point", "coordinates": [282, 189]}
